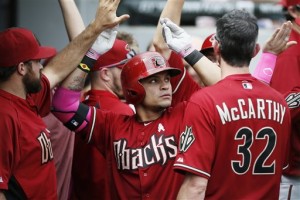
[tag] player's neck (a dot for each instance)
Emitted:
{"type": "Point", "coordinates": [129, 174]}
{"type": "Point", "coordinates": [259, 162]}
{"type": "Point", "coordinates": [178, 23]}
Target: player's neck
{"type": "Point", "coordinates": [227, 70]}
{"type": "Point", "coordinates": [14, 87]}
{"type": "Point", "coordinates": [147, 115]}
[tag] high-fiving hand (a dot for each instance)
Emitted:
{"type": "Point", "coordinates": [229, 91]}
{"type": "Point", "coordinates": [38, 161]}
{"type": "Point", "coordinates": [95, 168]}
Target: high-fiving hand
{"type": "Point", "coordinates": [176, 38]}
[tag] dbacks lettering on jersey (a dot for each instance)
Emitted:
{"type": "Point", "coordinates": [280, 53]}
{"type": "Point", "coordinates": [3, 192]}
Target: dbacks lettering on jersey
{"type": "Point", "coordinates": [159, 150]}
{"type": "Point", "coordinates": [251, 109]}
{"type": "Point", "coordinates": [46, 147]}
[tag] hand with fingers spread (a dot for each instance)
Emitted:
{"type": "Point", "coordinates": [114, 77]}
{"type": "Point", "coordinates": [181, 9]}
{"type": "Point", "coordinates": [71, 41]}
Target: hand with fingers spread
{"type": "Point", "coordinates": [106, 14]}
{"type": "Point", "coordinates": [279, 41]}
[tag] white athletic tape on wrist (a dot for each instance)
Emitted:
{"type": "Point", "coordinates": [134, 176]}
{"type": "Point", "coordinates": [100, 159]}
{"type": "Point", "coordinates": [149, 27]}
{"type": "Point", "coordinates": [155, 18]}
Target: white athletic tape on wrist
{"type": "Point", "coordinates": [186, 50]}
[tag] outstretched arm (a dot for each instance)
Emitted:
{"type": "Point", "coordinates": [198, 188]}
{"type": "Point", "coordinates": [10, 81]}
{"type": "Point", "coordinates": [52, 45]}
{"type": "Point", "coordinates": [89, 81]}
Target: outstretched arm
{"type": "Point", "coordinates": [172, 10]}
{"type": "Point", "coordinates": [193, 187]}
{"type": "Point", "coordinates": [72, 18]}
{"type": "Point", "coordinates": [277, 43]}
{"type": "Point", "coordinates": [68, 59]}
{"type": "Point", "coordinates": [66, 100]}
{"type": "Point", "coordinates": [2, 197]}
{"type": "Point", "coordinates": [180, 42]}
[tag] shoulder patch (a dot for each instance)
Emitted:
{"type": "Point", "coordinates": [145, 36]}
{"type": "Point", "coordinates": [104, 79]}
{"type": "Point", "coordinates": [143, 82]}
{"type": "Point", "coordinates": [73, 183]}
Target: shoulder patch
{"type": "Point", "coordinates": [186, 139]}
{"type": "Point", "coordinates": [293, 100]}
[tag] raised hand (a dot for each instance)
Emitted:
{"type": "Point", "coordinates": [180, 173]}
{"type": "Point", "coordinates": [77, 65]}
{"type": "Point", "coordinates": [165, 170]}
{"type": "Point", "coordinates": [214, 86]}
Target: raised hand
{"type": "Point", "coordinates": [279, 41]}
{"type": "Point", "coordinates": [105, 40]}
{"type": "Point", "coordinates": [176, 38]}
{"type": "Point", "coordinates": [106, 14]}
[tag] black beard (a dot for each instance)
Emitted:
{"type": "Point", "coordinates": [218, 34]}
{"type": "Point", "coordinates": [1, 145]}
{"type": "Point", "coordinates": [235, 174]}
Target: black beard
{"type": "Point", "coordinates": [31, 83]}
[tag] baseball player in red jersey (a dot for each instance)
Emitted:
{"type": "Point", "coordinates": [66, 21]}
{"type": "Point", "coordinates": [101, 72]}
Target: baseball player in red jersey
{"type": "Point", "coordinates": [285, 80]}
{"type": "Point", "coordinates": [141, 148]}
{"type": "Point", "coordinates": [290, 181]}
{"type": "Point", "coordinates": [239, 136]}
{"type": "Point", "coordinates": [90, 172]}
{"type": "Point", "coordinates": [286, 76]}
{"type": "Point", "coordinates": [26, 163]}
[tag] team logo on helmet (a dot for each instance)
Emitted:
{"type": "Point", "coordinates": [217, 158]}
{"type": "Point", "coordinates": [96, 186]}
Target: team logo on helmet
{"type": "Point", "coordinates": [158, 62]}
{"type": "Point", "coordinates": [212, 38]}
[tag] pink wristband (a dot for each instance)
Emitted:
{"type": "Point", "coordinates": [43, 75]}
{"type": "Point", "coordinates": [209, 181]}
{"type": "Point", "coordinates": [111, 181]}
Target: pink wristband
{"type": "Point", "coordinates": [65, 103]}
{"type": "Point", "coordinates": [186, 50]}
{"type": "Point", "coordinates": [265, 67]}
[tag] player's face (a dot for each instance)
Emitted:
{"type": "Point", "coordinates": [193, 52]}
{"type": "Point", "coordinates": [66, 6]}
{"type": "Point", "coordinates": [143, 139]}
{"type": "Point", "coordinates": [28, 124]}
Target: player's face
{"type": "Point", "coordinates": [158, 91]}
{"type": "Point", "coordinates": [116, 82]}
{"type": "Point", "coordinates": [32, 79]}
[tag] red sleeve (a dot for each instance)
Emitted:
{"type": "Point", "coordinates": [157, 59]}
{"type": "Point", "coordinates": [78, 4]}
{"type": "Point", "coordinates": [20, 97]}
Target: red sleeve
{"type": "Point", "coordinates": [42, 99]}
{"type": "Point", "coordinates": [293, 102]}
{"type": "Point", "coordinates": [197, 140]}
{"type": "Point", "coordinates": [183, 85]}
{"type": "Point", "coordinates": [8, 148]}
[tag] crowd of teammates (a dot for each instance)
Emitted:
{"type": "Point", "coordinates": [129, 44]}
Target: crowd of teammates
{"type": "Point", "coordinates": [146, 127]}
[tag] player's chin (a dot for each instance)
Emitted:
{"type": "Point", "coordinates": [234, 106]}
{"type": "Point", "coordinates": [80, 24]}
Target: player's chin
{"type": "Point", "coordinates": [165, 103]}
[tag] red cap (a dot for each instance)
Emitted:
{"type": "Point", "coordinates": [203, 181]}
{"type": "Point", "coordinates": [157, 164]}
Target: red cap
{"type": "Point", "coordinates": [20, 45]}
{"type": "Point", "coordinates": [207, 44]}
{"type": "Point", "coordinates": [287, 3]}
{"type": "Point", "coordinates": [117, 56]}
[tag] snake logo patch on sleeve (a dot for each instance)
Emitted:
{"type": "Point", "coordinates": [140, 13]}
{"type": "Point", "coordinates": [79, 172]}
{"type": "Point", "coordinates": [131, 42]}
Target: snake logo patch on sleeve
{"type": "Point", "coordinates": [186, 139]}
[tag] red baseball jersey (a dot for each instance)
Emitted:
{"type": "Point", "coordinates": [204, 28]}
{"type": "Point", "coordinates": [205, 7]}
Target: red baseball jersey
{"type": "Point", "coordinates": [236, 135]}
{"type": "Point", "coordinates": [293, 101]}
{"type": "Point", "coordinates": [286, 74]}
{"type": "Point", "coordinates": [140, 155]}
{"type": "Point", "coordinates": [26, 160]}
{"type": "Point", "coordinates": [62, 140]}
{"type": "Point", "coordinates": [90, 173]}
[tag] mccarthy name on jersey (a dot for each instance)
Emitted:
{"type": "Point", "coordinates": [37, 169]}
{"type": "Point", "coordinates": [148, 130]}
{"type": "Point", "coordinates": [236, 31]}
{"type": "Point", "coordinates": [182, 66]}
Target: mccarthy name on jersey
{"type": "Point", "coordinates": [159, 150]}
{"type": "Point", "coordinates": [251, 109]}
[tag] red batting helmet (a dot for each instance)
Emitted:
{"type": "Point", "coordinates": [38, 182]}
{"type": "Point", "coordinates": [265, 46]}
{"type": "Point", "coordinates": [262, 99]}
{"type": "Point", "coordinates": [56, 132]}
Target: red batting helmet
{"type": "Point", "coordinates": [207, 44]}
{"type": "Point", "coordinates": [139, 67]}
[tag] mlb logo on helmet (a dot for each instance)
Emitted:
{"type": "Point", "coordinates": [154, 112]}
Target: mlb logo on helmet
{"type": "Point", "coordinates": [287, 3]}
{"type": "Point", "coordinates": [158, 62]}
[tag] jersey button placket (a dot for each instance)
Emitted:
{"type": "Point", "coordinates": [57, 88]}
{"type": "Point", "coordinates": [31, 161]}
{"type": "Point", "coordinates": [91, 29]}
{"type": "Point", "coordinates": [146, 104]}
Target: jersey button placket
{"type": "Point", "coordinates": [141, 137]}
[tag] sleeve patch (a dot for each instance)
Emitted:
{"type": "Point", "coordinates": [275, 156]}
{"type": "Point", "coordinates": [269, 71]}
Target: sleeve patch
{"type": "Point", "coordinates": [186, 139]}
{"type": "Point", "coordinates": [293, 100]}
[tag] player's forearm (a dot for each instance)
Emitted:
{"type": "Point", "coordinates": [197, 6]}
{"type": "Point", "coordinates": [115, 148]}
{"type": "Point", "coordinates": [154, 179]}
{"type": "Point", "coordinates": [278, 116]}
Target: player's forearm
{"type": "Point", "coordinates": [68, 109]}
{"type": "Point", "coordinates": [193, 187]}
{"type": "Point", "coordinates": [172, 10]}
{"type": "Point", "coordinates": [209, 72]}
{"type": "Point", "coordinates": [2, 197]}
{"type": "Point", "coordinates": [68, 59]}
{"type": "Point", "coordinates": [265, 67]}
{"type": "Point", "coordinates": [72, 18]}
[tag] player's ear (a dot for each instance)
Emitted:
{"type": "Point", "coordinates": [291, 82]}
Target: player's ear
{"type": "Point", "coordinates": [21, 68]}
{"type": "Point", "coordinates": [216, 48]}
{"type": "Point", "coordinates": [104, 74]}
{"type": "Point", "coordinates": [256, 50]}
